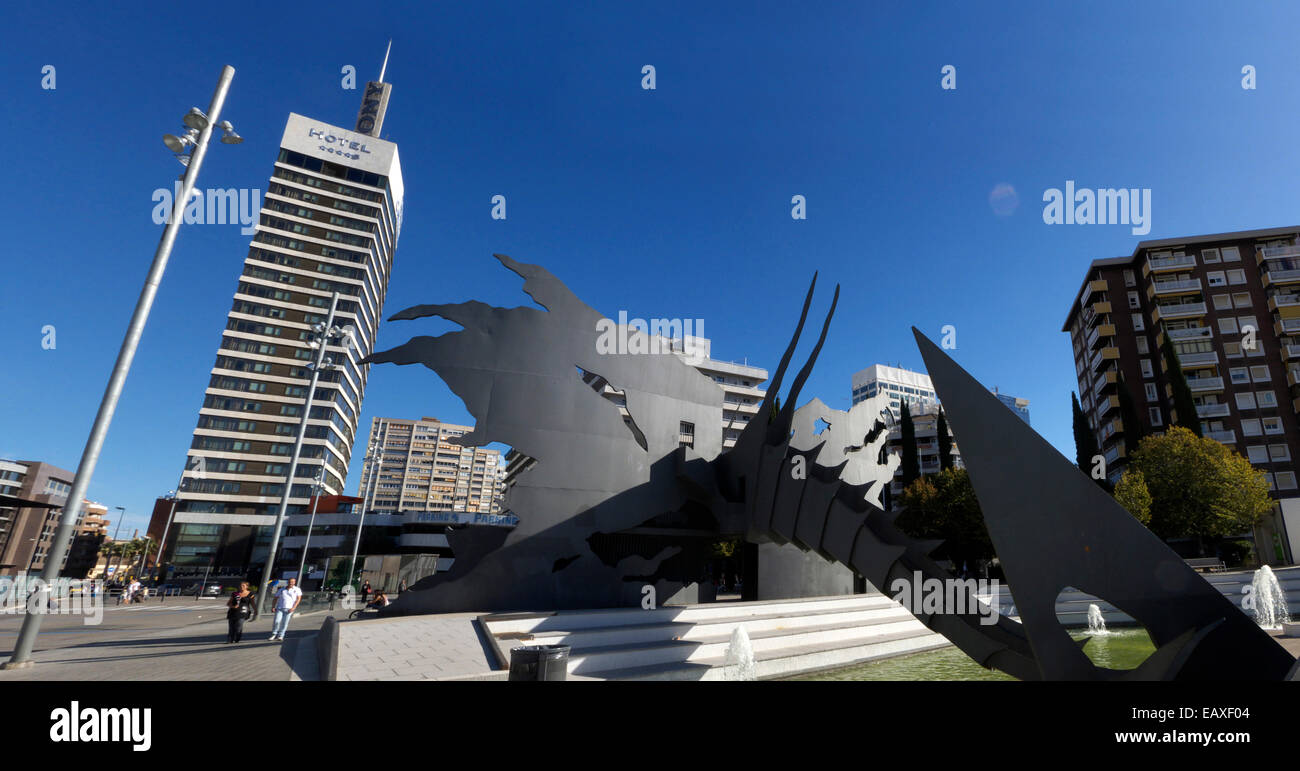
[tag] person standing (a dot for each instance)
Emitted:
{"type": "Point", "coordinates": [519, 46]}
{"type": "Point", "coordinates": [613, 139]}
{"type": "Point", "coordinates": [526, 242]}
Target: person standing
{"type": "Point", "coordinates": [365, 592]}
{"type": "Point", "coordinates": [241, 608]}
{"type": "Point", "coordinates": [286, 602]}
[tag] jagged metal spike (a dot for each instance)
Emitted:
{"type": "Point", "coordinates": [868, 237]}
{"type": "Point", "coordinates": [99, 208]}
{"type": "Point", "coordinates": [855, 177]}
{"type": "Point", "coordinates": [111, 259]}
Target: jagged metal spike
{"type": "Point", "coordinates": [1053, 527]}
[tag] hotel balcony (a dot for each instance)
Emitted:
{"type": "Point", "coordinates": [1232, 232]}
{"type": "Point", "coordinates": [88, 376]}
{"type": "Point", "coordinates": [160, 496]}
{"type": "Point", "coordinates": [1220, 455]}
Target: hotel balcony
{"type": "Point", "coordinates": [1212, 410]}
{"type": "Point", "coordinates": [1286, 326]}
{"type": "Point", "coordinates": [1173, 287]}
{"type": "Point", "coordinates": [1183, 311]}
{"type": "Point", "coordinates": [1103, 356]}
{"type": "Point", "coordinates": [1098, 285]}
{"type": "Point", "coordinates": [1274, 277]}
{"type": "Point", "coordinates": [1204, 384]}
{"type": "Point", "coordinates": [1222, 437]}
{"type": "Point", "coordinates": [1285, 301]}
{"type": "Point", "coordinates": [1182, 262]}
{"type": "Point", "coordinates": [1100, 332]}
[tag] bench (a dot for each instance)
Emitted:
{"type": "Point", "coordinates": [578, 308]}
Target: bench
{"type": "Point", "coordinates": [1206, 564]}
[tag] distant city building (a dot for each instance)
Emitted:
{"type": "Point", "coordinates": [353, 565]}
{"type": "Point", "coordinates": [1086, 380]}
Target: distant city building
{"type": "Point", "coordinates": [422, 468]}
{"type": "Point", "coordinates": [1017, 405]}
{"type": "Point", "coordinates": [903, 386]}
{"type": "Point", "coordinates": [32, 496]}
{"type": "Point", "coordinates": [330, 222]}
{"type": "Point", "coordinates": [1229, 304]}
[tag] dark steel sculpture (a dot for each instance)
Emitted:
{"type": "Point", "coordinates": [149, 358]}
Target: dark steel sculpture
{"type": "Point", "coordinates": [594, 509]}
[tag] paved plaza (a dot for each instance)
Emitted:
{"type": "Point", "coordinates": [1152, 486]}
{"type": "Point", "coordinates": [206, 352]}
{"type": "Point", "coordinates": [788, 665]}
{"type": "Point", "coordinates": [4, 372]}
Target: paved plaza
{"type": "Point", "coordinates": [180, 639]}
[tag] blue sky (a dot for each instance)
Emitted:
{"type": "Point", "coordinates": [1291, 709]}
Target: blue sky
{"type": "Point", "coordinates": [668, 203]}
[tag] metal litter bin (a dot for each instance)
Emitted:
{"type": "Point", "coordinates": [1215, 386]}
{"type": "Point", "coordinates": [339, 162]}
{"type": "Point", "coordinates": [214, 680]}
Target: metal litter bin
{"type": "Point", "coordinates": [539, 662]}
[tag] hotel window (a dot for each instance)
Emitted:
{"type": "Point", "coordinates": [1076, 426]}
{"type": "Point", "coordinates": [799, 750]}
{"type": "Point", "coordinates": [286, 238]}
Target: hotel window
{"type": "Point", "coordinates": [1154, 414]}
{"type": "Point", "coordinates": [1241, 299]}
{"type": "Point", "coordinates": [1278, 452]}
{"type": "Point", "coordinates": [1272, 425]}
{"type": "Point", "coordinates": [1260, 374]}
{"type": "Point", "coordinates": [1222, 302]}
{"type": "Point", "coordinates": [1285, 480]}
{"type": "Point", "coordinates": [1246, 401]}
{"type": "Point", "coordinates": [1151, 392]}
{"type": "Point", "coordinates": [1146, 368]}
{"type": "Point", "coordinates": [1232, 350]}
{"type": "Point", "coordinates": [1142, 345]}
{"type": "Point", "coordinates": [1237, 276]}
{"type": "Point", "coordinates": [1216, 278]}
{"type": "Point", "coordinates": [1266, 398]}
{"type": "Point", "coordinates": [1138, 323]}
{"type": "Point", "coordinates": [1210, 255]}
{"type": "Point", "coordinates": [1250, 427]}
{"type": "Point", "coordinates": [1231, 254]}
{"type": "Point", "coordinates": [1228, 326]}
{"type": "Point", "coordinates": [1129, 278]}
{"type": "Point", "coordinates": [1257, 453]}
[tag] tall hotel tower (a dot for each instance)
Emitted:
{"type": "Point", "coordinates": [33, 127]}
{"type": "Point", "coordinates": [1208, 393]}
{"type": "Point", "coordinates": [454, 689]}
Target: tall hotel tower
{"type": "Point", "coordinates": [332, 215]}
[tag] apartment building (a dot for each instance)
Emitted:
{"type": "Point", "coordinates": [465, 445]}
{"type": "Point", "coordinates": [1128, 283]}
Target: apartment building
{"type": "Point", "coordinates": [32, 496]}
{"type": "Point", "coordinates": [420, 467]}
{"type": "Point", "coordinates": [330, 223]}
{"type": "Point", "coordinates": [1229, 304]}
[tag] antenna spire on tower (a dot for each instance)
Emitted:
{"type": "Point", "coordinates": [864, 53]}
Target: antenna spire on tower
{"type": "Point", "coordinates": [384, 68]}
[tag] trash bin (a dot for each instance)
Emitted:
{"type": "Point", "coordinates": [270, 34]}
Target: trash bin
{"type": "Point", "coordinates": [539, 662]}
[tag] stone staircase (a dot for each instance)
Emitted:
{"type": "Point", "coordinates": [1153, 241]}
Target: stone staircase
{"type": "Point", "coordinates": [690, 642]}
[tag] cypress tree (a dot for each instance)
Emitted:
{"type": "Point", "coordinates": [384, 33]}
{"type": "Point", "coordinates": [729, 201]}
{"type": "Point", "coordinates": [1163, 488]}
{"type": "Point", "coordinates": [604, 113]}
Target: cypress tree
{"type": "Point", "coordinates": [1085, 442]}
{"type": "Point", "coordinates": [1133, 428]}
{"type": "Point", "coordinates": [911, 458]}
{"type": "Point", "coordinates": [1184, 407]}
{"type": "Point", "coordinates": [945, 443]}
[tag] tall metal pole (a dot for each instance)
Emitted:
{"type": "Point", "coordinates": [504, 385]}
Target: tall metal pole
{"type": "Point", "coordinates": [108, 405]}
{"type": "Point", "coordinates": [116, 531]}
{"type": "Point", "coordinates": [325, 336]}
{"type": "Point", "coordinates": [302, 563]}
{"type": "Point", "coordinates": [376, 458]}
{"type": "Point", "coordinates": [162, 544]}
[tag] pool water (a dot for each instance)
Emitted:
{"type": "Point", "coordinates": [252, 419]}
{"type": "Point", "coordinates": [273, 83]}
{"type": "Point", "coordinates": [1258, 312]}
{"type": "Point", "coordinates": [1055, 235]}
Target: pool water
{"type": "Point", "coordinates": [1120, 649]}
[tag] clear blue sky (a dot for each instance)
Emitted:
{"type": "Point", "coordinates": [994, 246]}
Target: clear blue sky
{"type": "Point", "coordinates": [670, 203]}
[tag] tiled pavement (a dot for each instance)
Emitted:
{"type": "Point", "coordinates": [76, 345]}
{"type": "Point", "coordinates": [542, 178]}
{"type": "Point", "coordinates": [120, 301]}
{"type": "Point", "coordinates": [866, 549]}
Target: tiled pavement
{"type": "Point", "coordinates": [164, 642]}
{"type": "Point", "coordinates": [412, 648]}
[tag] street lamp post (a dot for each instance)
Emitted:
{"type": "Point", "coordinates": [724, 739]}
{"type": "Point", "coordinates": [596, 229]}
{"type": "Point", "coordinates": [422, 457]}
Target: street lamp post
{"type": "Point", "coordinates": [196, 140]}
{"type": "Point", "coordinates": [320, 483]}
{"type": "Point", "coordinates": [325, 332]}
{"type": "Point", "coordinates": [373, 454]}
{"type": "Point", "coordinates": [116, 532]}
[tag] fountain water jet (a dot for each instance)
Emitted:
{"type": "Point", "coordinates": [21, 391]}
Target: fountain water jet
{"type": "Point", "coordinates": [1269, 599]}
{"type": "Point", "coordinates": [740, 657]}
{"type": "Point", "coordinates": [1096, 622]}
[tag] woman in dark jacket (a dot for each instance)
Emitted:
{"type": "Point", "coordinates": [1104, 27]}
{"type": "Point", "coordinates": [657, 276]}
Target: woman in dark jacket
{"type": "Point", "coordinates": [241, 608]}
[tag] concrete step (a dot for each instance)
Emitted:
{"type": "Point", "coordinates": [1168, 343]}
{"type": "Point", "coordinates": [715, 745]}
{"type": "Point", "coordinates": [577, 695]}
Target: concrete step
{"type": "Point", "coordinates": [522, 623]}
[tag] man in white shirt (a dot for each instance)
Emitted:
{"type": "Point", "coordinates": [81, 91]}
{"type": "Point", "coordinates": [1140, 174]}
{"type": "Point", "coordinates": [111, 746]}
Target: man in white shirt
{"type": "Point", "coordinates": [286, 602]}
{"type": "Point", "coordinates": [132, 590]}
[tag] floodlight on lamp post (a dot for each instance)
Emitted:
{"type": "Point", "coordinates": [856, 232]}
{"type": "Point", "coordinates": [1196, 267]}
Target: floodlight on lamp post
{"type": "Point", "coordinates": [195, 120]}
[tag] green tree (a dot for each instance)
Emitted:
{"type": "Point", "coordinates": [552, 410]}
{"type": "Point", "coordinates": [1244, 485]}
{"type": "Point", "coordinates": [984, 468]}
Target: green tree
{"type": "Point", "coordinates": [911, 461]}
{"type": "Point", "coordinates": [945, 443]}
{"type": "Point", "coordinates": [1085, 443]}
{"type": "Point", "coordinates": [944, 506]}
{"type": "Point", "coordinates": [1132, 494]}
{"type": "Point", "coordinates": [1184, 408]}
{"type": "Point", "coordinates": [1199, 488]}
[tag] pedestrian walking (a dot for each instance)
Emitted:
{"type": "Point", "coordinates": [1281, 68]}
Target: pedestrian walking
{"type": "Point", "coordinates": [241, 607]}
{"type": "Point", "coordinates": [365, 592]}
{"type": "Point", "coordinates": [286, 602]}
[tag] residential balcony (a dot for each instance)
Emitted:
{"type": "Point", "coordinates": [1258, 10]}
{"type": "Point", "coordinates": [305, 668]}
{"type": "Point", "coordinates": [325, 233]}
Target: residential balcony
{"type": "Point", "coordinates": [1286, 326]}
{"type": "Point", "coordinates": [1103, 356]}
{"type": "Point", "coordinates": [1193, 360]}
{"type": "Point", "coordinates": [1285, 301]}
{"type": "Point", "coordinates": [1107, 378]}
{"type": "Point", "coordinates": [1100, 332]}
{"type": "Point", "coordinates": [1182, 311]}
{"type": "Point", "coordinates": [1193, 333]}
{"type": "Point", "coordinates": [1205, 384]}
{"type": "Point", "coordinates": [1110, 428]}
{"type": "Point", "coordinates": [1291, 351]}
{"type": "Point", "coordinates": [1113, 455]}
{"type": "Point", "coordinates": [1273, 277]}
{"type": "Point", "coordinates": [1173, 287]}
{"type": "Point", "coordinates": [1098, 285]}
{"type": "Point", "coordinates": [1276, 253]}
{"type": "Point", "coordinates": [1098, 309]}
{"type": "Point", "coordinates": [1293, 376]}
{"type": "Point", "coordinates": [1106, 404]}
{"type": "Point", "coordinates": [1212, 410]}
{"type": "Point", "coordinates": [1162, 265]}
{"type": "Point", "coordinates": [1222, 437]}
